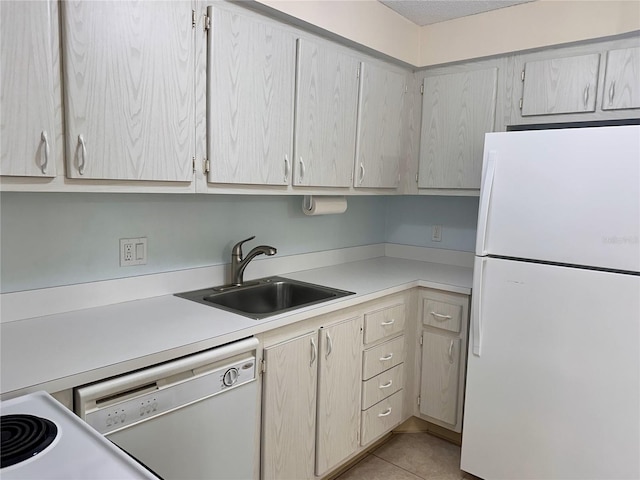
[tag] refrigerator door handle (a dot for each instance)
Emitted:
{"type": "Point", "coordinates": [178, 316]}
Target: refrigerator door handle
{"type": "Point", "coordinates": [476, 305]}
{"type": "Point", "coordinates": [485, 202]}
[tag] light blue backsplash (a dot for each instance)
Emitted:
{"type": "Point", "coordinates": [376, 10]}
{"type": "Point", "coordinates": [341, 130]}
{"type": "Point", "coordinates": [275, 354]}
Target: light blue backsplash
{"type": "Point", "coordinates": [51, 239]}
{"type": "Point", "coordinates": [410, 220]}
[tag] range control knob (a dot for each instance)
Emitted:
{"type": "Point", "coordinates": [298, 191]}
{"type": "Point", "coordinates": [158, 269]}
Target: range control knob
{"type": "Point", "coordinates": [230, 377]}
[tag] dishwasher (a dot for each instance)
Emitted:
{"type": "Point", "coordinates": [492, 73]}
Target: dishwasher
{"type": "Point", "coordinates": [195, 417]}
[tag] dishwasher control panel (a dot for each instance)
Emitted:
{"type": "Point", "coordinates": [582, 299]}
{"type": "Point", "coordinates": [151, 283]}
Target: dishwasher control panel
{"type": "Point", "coordinates": [144, 401]}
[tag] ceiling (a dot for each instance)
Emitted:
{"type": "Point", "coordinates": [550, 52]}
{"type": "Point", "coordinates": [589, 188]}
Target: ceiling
{"type": "Point", "coordinates": [426, 12]}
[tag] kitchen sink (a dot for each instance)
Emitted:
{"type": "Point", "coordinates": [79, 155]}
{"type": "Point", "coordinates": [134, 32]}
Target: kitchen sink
{"type": "Point", "coordinates": [265, 297]}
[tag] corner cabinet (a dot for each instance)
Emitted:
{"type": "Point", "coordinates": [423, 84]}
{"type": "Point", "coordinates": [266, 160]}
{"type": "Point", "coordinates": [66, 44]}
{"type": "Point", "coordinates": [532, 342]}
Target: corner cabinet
{"type": "Point", "coordinates": [457, 110]}
{"type": "Point", "coordinates": [444, 331]}
{"type": "Point", "coordinates": [379, 144]}
{"type": "Point", "coordinates": [326, 110]}
{"type": "Point", "coordinates": [250, 93]}
{"type": "Point", "coordinates": [129, 90]}
{"type": "Point", "coordinates": [30, 120]}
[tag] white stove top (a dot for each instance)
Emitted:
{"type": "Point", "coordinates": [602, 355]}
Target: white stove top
{"type": "Point", "coordinates": [78, 451]}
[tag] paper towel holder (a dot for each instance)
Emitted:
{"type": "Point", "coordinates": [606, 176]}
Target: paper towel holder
{"type": "Point", "coordinates": [308, 202]}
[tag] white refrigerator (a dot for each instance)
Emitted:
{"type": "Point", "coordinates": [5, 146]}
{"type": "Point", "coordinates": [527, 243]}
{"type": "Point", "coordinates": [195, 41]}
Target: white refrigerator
{"type": "Point", "coordinates": [553, 376]}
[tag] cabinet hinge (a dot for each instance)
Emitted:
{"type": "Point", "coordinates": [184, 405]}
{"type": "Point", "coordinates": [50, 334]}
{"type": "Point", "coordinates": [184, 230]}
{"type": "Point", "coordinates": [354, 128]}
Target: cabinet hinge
{"type": "Point", "coordinates": [207, 22]}
{"type": "Point", "coordinates": [263, 366]}
{"type": "Point", "coordinates": [422, 89]}
{"type": "Point", "coordinates": [421, 341]}
{"type": "Point", "coordinates": [419, 400]}
{"type": "Point", "coordinates": [358, 72]}
{"type": "Point", "coordinates": [406, 89]}
{"type": "Point", "coordinates": [207, 166]}
{"type": "Point", "coordinates": [193, 164]}
{"type": "Point", "coordinates": [416, 178]}
{"type": "Point", "coordinates": [193, 19]}
{"type": "Point", "coordinates": [520, 104]}
{"type": "Point", "coordinates": [522, 75]}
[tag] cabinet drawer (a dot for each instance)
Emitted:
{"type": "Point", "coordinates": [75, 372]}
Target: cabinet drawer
{"type": "Point", "coordinates": [442, 314]}
{"type": "Point", "coordinates": [386, 355]}
{"type": "Point", "coordinates": [384, 322]}
{"type": "Point", "coordinates": [381, 386]}
{"type": "Point", "coordinates": [381, 417]}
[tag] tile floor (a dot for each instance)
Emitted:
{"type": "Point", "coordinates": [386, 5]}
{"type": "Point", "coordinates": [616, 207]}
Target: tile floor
{"type": "Point", "coordinates": [410, 456]}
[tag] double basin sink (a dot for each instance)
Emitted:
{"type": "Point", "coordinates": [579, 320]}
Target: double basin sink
{"type": "Point", "coordinates": [266, 297]}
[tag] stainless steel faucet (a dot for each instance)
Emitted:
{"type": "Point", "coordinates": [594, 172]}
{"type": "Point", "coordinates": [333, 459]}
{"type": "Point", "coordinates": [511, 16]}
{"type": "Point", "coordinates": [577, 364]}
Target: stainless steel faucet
{"type": "Point", "coordinates": [238, 264]}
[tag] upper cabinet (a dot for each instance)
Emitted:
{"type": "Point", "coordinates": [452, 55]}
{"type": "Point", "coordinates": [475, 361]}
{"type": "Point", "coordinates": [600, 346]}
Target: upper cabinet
{"type": "Point", "coordinates": [129, 90]}
{"type": "Point", "coordinates": [457, 110]}
{"type": "Point", "coordinates": [560, 85]}
{"type": "Point", "coordinates": [29, 101]}
{"type": "Point", "coordinates": [622, 79]}
{"type": "Point", "coordinates": [326, 109]}
{"type": "Point", "coordinates": [380, 127]}
{"type": "Point", "coordinates": [598, 82]}
{"type": "Point", "coordinates": [250, 92]}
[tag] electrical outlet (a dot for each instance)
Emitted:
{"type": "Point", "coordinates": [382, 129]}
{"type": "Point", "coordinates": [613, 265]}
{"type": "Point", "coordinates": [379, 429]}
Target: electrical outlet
{"type": "Point", "coordinates": [436, 233]}
{"type": "Point", "coordinates": [133, 251]}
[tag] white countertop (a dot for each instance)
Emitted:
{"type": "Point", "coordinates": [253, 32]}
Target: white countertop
{"type": "Point", "coordinates": [57, 352]}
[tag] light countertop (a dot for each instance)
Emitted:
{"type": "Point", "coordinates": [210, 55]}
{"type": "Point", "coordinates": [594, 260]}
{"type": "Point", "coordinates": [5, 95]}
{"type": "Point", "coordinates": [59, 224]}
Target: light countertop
{"type": "Point", "coordinates": [57, 352]}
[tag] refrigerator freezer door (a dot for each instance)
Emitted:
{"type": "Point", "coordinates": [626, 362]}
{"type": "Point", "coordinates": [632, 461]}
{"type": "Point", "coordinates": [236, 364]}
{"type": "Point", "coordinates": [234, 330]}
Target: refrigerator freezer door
{"type": "Point", "coordinates": [570, 196]}
{"type": "Point", "coordinates": [556, 391]}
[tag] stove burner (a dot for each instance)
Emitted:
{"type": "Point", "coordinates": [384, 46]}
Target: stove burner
{"type": "Point", "coordinates": [24, 436]}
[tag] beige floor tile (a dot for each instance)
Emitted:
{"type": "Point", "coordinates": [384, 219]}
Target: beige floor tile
{"type": "Point", "coordinates": [374, 468]}
{"type": "Point", "coordinates": [428, 457]}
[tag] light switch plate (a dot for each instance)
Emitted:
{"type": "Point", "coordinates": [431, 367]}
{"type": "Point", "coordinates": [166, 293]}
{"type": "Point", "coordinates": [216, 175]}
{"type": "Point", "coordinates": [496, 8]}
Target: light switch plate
{"type": "Point", "coordinates": [133, 251]}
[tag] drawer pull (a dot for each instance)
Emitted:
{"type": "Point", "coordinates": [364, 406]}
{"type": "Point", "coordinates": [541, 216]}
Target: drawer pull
{"type": "Point", "coordinates": [388, 356]}
{"type": "Point", "coordinates": [386, 385]}
{"type": "Point", "coordinates": [385, 413]}
{"type": "Point", "coordinates": [440, 317]}
{"type": "Point", "coordinates": [329, 345]}
{"type": "Point", "coordinates": [390, 322]}
{"type": "Point", "coordinates": [451, 352]}
{"type": "Point", "coordinates": [314, 352]}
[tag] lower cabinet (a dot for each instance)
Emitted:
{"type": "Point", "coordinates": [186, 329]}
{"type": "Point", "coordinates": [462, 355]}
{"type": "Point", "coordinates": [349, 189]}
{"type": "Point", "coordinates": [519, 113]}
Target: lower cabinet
{"type": "Point", "coordinates": [444, 330]}
{"type": "Point", "coordinates": [289, 408]}
{"type": "Point", "coordinates": [338, 393]}
{"type": "Point", "coordinates": [323, 366]}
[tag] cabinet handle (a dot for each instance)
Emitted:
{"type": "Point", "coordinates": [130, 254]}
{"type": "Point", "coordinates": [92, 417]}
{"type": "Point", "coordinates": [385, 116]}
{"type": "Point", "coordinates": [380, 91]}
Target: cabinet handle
{"type": "Point", "coordinates": [451, 352]}
{"type": "Point", "coordinates": [388, 356]}
{"type": "Point", "coordinates": [302, 168]}
{"type": "Point", "coordinates": [286, 168]}
{"type": "Point", "coordinates": [440, 317]}
{"type": "Point", "coordinates": [329, 344]}
{"type": "Point", "coordinates": [612, 92]}
{"type": "Point", "coordinates": [362, 171]}
{"type": "Point", "coordinates": [586, 95]}
{"type": "Point", "coordinates": [314, 351]}
{"type": "Point", "coordinates": [390, 322]}
{"type": "Point", "coordinates": [45, 139]}
{"type": "Point", "coordinates": [83, 151]}
{"type": "Point", "coordinates": [386, 385]}
{"type": "Point", "coordinates": [385, 413]}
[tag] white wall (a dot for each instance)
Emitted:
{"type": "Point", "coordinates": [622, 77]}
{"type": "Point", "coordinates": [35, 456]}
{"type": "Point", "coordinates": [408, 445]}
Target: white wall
{"type": "Point", "coordinates": [520, 27]}
{"type": "Point", "coordinates": [53, 239]}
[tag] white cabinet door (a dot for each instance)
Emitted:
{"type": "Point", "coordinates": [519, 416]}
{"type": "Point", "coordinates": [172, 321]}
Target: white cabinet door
{"type": "Point", "coordinates": [27, 104]}
{"type": "Point", "coordinates": [289, 409]}
{"type": "Point", "coordinates": [560, 85]}
{"type": "Point", "coordinates": [379, 140]}
{"type": "Point", "coordinates": [440, 377]}
{"type": "Point", "coordinates": [129, 90]}
{"type": "Point", "coordinates": [622, 79]}
{"type": "Point", "coordinates": [251, 81]}
{"type": "Point", "coordinates": [326, 109]}
{"type": "Point", "coordinates": [457, 110]}
{"type": "Point", "coordinates": [339, 382]}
